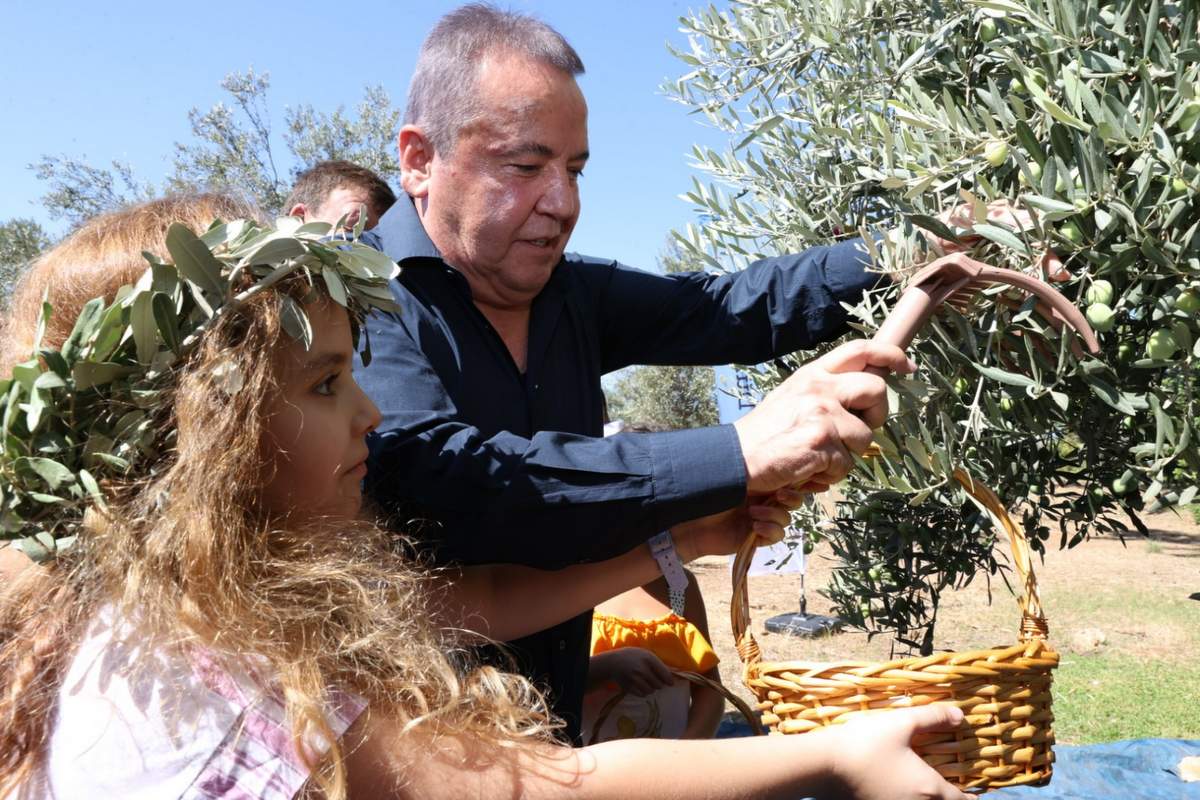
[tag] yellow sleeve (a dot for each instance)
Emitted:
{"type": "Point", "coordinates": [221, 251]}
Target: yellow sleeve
{"type": "Point", "coordinates": [673, 639]}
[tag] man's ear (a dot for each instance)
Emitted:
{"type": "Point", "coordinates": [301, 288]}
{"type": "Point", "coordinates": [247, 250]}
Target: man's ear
{"type": "Point", "coordinates": [416, 160]}
{"type": "Point", "coordinates": [299, 210]}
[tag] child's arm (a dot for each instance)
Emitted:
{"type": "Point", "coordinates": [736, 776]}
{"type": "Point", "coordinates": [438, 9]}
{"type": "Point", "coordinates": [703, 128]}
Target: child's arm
{"type": "Point", "coordinates": [507, 601]}
{"type": "Point", "coordinates": [870, 759]}
{"type": "Point", "coordinates": [704, 715]}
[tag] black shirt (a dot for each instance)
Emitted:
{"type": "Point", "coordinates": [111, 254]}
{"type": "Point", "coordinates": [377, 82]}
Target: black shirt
{"type": "Point", "coordinates": [512, 465]}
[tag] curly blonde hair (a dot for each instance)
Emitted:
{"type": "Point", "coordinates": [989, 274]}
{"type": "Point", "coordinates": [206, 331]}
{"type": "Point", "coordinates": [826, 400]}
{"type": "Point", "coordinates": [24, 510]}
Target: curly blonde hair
{"type": "Point", "coordinates": [185, 550]}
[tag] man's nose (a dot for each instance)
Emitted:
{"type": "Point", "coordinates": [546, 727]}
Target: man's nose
{"type": "Point", "coordinates": [560, 196]}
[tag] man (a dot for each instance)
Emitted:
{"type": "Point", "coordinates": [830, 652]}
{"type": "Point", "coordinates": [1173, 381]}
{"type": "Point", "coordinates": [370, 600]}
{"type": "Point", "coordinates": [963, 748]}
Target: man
{"type": "Point", "coordinates": [332, 190]}
{"type": "Point", "coordinates": [489, 378]}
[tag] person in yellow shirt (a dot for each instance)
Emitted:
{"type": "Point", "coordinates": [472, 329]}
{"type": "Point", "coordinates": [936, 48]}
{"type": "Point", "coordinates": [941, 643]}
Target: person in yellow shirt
{"type": "Point", "coordinates": [637, 639]}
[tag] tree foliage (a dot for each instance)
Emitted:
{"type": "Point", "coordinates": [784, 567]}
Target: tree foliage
{"type": "Point", "coordinates": [21, 240]}
{"type": "Point", "coordinates": [233, 149]}
{"type": "Point", "coordinates": [671, 398]}
{"type": "Point", "coordinates": [864, 116]}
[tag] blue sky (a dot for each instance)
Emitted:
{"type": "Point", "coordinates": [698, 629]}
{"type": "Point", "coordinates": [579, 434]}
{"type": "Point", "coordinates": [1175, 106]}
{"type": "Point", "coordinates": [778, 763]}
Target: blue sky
{"type": "Point", "coordinates": [115, 80]}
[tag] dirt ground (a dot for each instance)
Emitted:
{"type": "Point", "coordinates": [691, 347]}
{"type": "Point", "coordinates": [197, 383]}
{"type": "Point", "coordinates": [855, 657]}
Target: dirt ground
{"type": "Point", "coordinates": [1082, 592]}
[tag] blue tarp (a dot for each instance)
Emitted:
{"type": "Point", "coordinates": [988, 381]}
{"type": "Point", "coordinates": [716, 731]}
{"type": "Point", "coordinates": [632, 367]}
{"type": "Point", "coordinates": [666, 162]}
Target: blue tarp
{"type": "Point", "coordinates": [1136, 769]}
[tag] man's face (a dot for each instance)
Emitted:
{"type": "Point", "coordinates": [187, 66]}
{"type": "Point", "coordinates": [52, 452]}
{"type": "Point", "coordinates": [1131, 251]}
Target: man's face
{"type": "Point", "coordinates": [503, 202]}
{"type": "Point", "coordinates": [345, 201]}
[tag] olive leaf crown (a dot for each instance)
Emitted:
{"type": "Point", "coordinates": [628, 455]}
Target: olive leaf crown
{"type": "Point", "coordinates": [72, 417]}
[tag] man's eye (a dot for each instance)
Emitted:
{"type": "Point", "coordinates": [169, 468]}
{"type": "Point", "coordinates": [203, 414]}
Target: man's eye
{"type": "Point", "coordinates": [526, 168]}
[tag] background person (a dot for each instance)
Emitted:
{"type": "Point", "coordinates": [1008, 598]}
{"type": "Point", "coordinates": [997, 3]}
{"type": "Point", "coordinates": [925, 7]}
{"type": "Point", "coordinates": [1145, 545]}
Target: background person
{"type": "Point", "coordinates": [638, 637]}
{"type": "Point", "coordinates": [331, 190]}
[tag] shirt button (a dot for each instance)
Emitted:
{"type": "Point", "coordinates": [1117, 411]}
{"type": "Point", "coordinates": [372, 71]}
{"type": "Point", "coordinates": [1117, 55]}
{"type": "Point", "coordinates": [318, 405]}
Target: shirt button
{"type": "Point", "coordinates": [562, 644]}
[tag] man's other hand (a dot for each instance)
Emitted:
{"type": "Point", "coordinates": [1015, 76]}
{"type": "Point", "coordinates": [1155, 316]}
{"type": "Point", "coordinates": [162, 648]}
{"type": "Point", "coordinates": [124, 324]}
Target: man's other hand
{"type": "Point", "coordinates": [805, 431]}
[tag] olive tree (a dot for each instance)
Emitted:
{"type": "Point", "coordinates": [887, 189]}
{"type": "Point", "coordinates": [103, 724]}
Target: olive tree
{"type": "Point", "coordinates": [668, 397]}
{"type": "Point", "coordinates": [874, 118]}
{"type": "Point", "coordinates": [233, 148]}
{"type": "Point", "coordinates": [21, 240]}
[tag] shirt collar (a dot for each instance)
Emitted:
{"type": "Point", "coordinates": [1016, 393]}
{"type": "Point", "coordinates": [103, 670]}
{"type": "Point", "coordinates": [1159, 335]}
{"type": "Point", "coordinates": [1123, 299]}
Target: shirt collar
{"type": "Point", "coordinates": [401, 235]}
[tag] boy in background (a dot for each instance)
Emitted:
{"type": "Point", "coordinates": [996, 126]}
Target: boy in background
{"type": "Point", "coordinates": [330, 190]}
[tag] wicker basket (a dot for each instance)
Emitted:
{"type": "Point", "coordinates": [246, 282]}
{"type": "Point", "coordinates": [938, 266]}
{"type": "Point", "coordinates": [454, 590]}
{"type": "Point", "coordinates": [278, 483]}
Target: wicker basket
{"type": "Point", "coordinates": [1007, 736]}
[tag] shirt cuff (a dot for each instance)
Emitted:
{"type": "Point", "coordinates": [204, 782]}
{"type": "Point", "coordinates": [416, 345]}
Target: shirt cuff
{"type": "Point", "coordinates": [696, 473]}
{"type": "Point", "coordinates": [848, 271]}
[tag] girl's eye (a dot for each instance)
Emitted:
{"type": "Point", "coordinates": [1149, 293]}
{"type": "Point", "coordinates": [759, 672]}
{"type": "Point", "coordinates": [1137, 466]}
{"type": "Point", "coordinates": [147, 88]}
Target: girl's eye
{"type": "Point", "coordinates": [325, 387]}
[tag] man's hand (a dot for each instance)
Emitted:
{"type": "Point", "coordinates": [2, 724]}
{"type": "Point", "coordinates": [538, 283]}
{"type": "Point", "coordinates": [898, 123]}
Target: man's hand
{"type": "Point", "coordinates": [723, 533]}
{"type": "Point", "coordinates": [1003, 212]}
{"type": "Point", "coordinates": [803, 433]}
{"type": "Point", "coordinates": [637, 671]}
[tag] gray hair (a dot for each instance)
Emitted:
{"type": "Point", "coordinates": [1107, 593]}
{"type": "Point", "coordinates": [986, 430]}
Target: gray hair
{"type": "Point", "coordinates": [442, 97]}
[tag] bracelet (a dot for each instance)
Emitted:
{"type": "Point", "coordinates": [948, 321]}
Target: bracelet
{"type": "Point", "coordinates": [662, 547]}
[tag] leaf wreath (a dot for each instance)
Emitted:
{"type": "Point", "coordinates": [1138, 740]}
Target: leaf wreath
{"type": "Point", "coordinates": [75, 416]}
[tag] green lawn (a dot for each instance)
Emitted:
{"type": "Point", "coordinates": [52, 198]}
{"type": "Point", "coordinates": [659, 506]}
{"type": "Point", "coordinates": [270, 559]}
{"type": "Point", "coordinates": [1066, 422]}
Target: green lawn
{"type": "Point", "coordinates": [1103, 697]}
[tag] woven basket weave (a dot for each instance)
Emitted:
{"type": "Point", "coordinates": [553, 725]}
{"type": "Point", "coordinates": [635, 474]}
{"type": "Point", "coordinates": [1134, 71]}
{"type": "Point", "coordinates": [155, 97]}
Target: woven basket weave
{"type": "Point", "coordinates": [1007, 737]}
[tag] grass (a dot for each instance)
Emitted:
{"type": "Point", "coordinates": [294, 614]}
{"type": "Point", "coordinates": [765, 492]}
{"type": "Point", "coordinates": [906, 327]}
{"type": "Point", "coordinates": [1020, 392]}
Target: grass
{"type": "Point", "coordinates": [1104, 697]}
{"type": "Point", "coordinates": [1144, 683]}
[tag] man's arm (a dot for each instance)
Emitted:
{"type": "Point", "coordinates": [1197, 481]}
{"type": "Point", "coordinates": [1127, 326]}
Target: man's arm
{"type": "Point", "coordinates": [774, 306]}
{"type": "Point", "coordinates": [547, 501]}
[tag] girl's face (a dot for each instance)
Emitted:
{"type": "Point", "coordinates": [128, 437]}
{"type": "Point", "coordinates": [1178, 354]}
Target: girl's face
{"type": "Point", "coordinates": [318, 422]}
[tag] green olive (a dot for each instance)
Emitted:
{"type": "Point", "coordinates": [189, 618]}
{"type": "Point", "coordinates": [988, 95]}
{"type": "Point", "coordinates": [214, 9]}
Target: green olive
{"type": "Point", "coordinates": [1123, 484]}
{"type": "Point", "coordinates": [1161, 345]}
{"type": "Point", "coordinates": [995, 152]}
{"type": "Point", "coordinates": [988, 30]}
{"type": "Point", "coordinates": [1100, 316]}
{"type": "Point", "coordinates": [1071, 232]}
{"type": "Point", "coordinates": [1100, 291]}
{"type": "Point", "coordinates": [1188, 301]}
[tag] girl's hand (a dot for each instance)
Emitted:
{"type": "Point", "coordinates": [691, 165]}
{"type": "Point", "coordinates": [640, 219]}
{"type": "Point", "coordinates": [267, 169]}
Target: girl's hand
{"type": "Point", "coordinates": [873, 757]}
{"type": "Point", "coordinates": [637, 671]}
{"type": "Point", "coordinates": [723, 533]}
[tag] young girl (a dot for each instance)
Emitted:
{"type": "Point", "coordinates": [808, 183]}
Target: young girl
{"type": "Point", "coordinates": [223, 625]}
{"type": "Point", "coordinates": [638, 637]}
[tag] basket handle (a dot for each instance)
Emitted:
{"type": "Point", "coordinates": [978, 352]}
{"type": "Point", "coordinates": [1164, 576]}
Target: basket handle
{"type": "Point", "coordinates": [1033, 620]}
{"type": "Point", "coordinates": [695, 677]}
